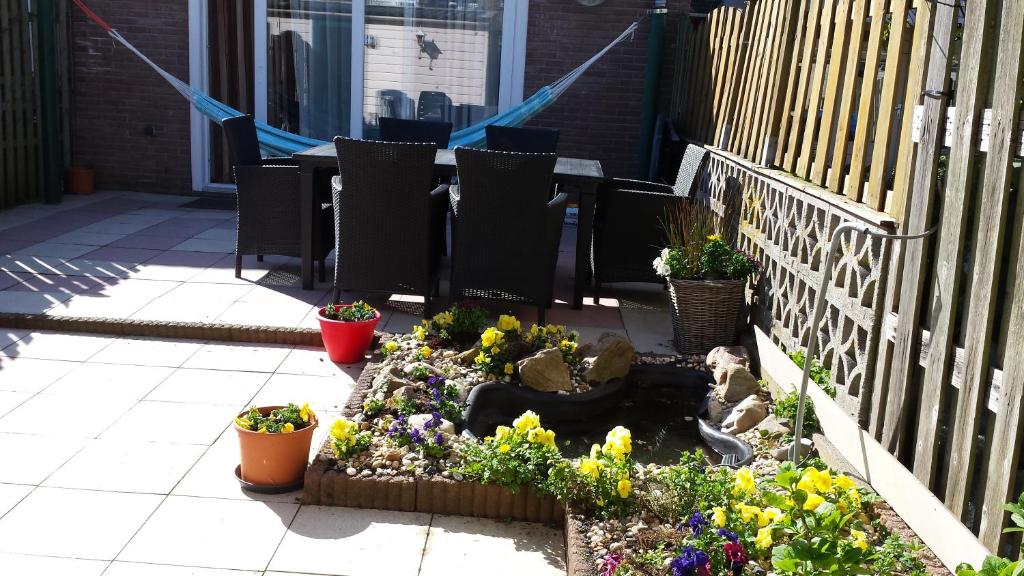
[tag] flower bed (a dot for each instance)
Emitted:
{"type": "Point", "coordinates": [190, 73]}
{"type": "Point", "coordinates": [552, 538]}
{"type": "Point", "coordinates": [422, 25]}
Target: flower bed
{"type": "Point", "coordinates": [397, 447]}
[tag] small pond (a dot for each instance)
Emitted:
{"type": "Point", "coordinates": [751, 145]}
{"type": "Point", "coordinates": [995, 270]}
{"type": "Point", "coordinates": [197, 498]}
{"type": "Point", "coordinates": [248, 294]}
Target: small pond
{"type": "Point", "coordinates": [661, 405]}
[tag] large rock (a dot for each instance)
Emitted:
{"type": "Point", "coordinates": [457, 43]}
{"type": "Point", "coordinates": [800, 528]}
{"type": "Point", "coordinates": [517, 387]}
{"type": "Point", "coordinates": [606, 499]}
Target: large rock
{"type": "Point", "coordinates": [387, 381]}
{"type": "Point", "coordinates": [739, 383]}
{"type": "Point", "coordinates": [466, 358]}
{"type": "Point", "coordinates": [418, 420]}
{"type": "Point", "coordinates": [721, 358]}
{"type": "Point", "coordinates": [745, 415]}
{"type": "Point", "coordinates": [410, 368]}
{"type": "Point", "coordinates": [783, 453]}
{"type": "Point", "coordinates": [613, 359]}
{"type": "Point", "coordinates": [545, 371]}
{"type": "Point", "coordinates": [715, 410]}
{"type": "Point", "coordinates": [772, 427]}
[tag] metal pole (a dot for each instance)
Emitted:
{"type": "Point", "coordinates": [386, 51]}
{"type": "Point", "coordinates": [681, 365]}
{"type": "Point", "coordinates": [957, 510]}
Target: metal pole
{"type": "Point", "coordinates": [649, 106]}
{"type": "Point", "coordinates": [49, 113]}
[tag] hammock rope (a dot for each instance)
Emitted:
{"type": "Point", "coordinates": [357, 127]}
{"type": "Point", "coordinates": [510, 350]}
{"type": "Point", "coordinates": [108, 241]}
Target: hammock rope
{"type": "Point", "coordinates": [277, 142]}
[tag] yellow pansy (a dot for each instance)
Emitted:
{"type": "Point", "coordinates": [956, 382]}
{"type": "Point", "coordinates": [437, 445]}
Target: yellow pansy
{"type": "Point", "coordinates": [262, 430]}
{"type": "Point", "coordinates": [748, 513]}
{"type": "Point", "coordinates": [567, 345]}
{"type": "Point", "coordinates": [419, 332]}
{"type": "Point", "coordinates": [506, 323]}
{"type": "Point", "coordinates": [504, 448]}
{"type": "Point", "coordinates": [490, 336]}
{"type": "Point", "coordinates": [615, 449]}
{"type": "Point", "coordinates": [343, 429]}
{"type": "Point", "coordinates": [813, 501]}
{"type": "Point", "coordinates": [495, 350]}
{"type": "Point", "coordinates": [768, 515]}
{"type": "Point", "coordinates": [390, 347]}
{"type": "Point", "coordinates": [551, 329]}
{"type": "Point", "coordinates": [480, 358]}
{"type": "Point", "coordinates": [854, 497]}
{"type": "Point", "coordinates": [624, 487]}
{"type": "Point", "coordinates": [502, 432]}
{"type": "Point", "coordinates": [305, 412]}
{"type": "Point", "coordinates": [534, 330]}
{"type": "Point", "coordinates": [541, 436]}
{"type": "Point", "coordinates": [528, 421]}
{"type": "Point", "coordinates": [814, 481]}
{"type": "Point", "coordinates": [509, 368]}
{"type": "Point", "coordinates": [621, 439]}
{"type": "Point", "coordinates": [443, 319]}
{"type": "Point", "coordinates": [244, 423]}
{"type": "Point", "coordinates": [288, 428]}
{"type": "Point", "coordinates": [591, 467]}
{"type": "Point", "coordinates": [595, 451]}
{"type": "Point", "coordinates": [764, 538]}
{"type": "Point", "coordinates": [859, 540]}
{"type": "Point", "coordinates": [718, 517]}
{"type": "Point", "coordinates": [843, 482]}
{"type": "Point", "coordinates": [426, 351]}
{"type": "Point", "coordinates": [714, 237]}
{"type": "Point", "coordinates": [744, 482]}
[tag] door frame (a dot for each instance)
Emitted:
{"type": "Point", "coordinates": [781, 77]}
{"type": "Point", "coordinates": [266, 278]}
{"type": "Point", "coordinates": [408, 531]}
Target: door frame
{"type": "Point", "coordinates": [515, 18]}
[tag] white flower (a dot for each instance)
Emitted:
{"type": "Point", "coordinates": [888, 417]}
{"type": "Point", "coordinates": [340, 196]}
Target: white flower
{"type": "Point", "coordinates": [661, 267]}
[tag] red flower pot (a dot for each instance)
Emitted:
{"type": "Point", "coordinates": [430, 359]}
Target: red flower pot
{"type": "Point", "coordinates": [346, 342]}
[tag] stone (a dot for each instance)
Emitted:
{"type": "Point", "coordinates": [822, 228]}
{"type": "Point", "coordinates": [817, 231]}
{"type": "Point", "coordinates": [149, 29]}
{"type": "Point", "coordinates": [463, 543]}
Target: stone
{"type": "Point", "coordinates": [351, 471]}
{"type": "Point", "coordinates": [404, 393]}
{"type": "Point", "coordinates": [715, 410]}
{"type": "Point", "coordinates": [466, 358]}
{"type": "Point", "coordinates": [721, 358]}
{"type": "Point", "coordinates": [772, 427]}
{"type": "Point", "coordinates": [782, 452]}
{"type": "Point", "coordinates": [393, 455]}
{"type": "Point", "coordinates": [739, 383]}
{"type": "Point", "coordinates": [410, 368]}
{"type": "Point", "coordinates": [613, 359]}
{"type": "Point", "coordinates": [745, 415]}
{"type": "Point", "coordinates": [387, 381]}
{"type": "Point", "coordinates": [545, 371]}
{"type": "Point", "coordinates": [418, 420]}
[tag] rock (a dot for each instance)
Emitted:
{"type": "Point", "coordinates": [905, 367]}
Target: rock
{"type": "Point", "coordinates": [745, 415]}
{"type": "Point", "coordinates": [393, 455]}
{"type": "Point", "coordinates": [410, 368]}
{"type": "Point", "coordinates": [404, 393]}
{"type": "Point", "coordinates": [772, 427]}
{"type": "Point", "coordinates": [614, 357]}
{"type": "Point", "coordinates": [739, 383]}
{"type": "Point", "coordinates": [715, 410]}
{"type": "Point", "coordinates": [782, 452]}
{"type": "Point", "coordinates": [418, 420]}
{"type": "Point", "coordinates": [466, 358]}
{"type": "Point", "coordinates": [387, 381]}
{"type": "Point", "coordinates": [351, 471]}
{"type": "Point", "coordinates": [545, 371]}
{"type": "Point", "coordinates": [721, 358]}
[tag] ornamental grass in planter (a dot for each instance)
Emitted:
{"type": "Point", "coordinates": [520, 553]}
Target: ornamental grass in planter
{"type": "Point", "coordinates": [347, 330]}
{"type": "Point", "coordinates": [706, 278]}
{"type": "Point", "coordinates": [274, 444]}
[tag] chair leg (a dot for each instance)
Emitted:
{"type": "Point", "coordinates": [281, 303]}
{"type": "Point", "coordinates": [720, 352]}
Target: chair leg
{"type": "Point", "coordinates": [259, 257]}
{"type": "Point", "coordinates": [323, 270]}
{"type": "Point", "coordinates": [597, 292]}
{"type": "Point", "coordinates": [238, 265]}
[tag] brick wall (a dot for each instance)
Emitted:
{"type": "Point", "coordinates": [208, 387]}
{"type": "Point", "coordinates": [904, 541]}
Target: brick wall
{"type": "Point", "coordinates": [599, 117]}
{"type": "Point", "coordinates": [126, 121]}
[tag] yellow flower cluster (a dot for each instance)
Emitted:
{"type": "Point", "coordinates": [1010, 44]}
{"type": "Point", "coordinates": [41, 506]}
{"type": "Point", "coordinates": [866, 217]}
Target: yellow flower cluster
{"type": "Point", "coordinates": [390, 347]}
{"type": "Point", "coordinates": [618, 443]}
{"type": "Point", "coordinates": [860, 540]}
{"type": "Point", "coordinates": [425, 352]}
{"type": "Point", "coordinates": [526, 426]}
{"type": "Point", "coordinates": [419, 332]}
{"type": "Point", "coordinates": [541, 436]}
{"type": "Point", "coordinates": [508, 323]}
{"type": "Point", "coordinates": [591, 467]}
{"type": "Point", "coordinates": [624, 487]}
{"type": "Point", "coordinates": [820, 483]}
{"type": "Point", "coordinates": [744, 482]}
{"type": "Point", "coordinates": [528, 421]}
{"type": "Point", "coordinates": [344, 430]}
{"type": "Point", "coordinates": [443, 319]}
{"type": "Point", "coordinates": [491, 338]}
{"type": "Point", "coordinates": [305, 413]}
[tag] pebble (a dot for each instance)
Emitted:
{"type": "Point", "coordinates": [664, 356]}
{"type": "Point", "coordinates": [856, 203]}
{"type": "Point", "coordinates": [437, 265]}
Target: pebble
{"type": "Point", "coordinates": [366, 473]}
{"type": "Point", "coordinates": [351, 471]}
{"type": "Point", "coordinates": [446, 474]}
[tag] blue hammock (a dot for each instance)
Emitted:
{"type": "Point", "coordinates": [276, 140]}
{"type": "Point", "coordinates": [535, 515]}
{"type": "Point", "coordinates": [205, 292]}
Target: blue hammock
{"type": "Point", "coordinates": [276, 142]}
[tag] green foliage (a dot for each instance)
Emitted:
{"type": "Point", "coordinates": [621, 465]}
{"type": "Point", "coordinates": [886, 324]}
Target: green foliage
{"type": "Point", "coordinates": [690, 486]}
{"type": "Point", "coordinates": [358, 312]}
{"type": "Point", "coordinates": [514, 457]}
{"type": "Point", "coordinates": [372, 407]}
{"type": "Point", "coordinates": [283, 420]}
{"type": "Point", "coordinates": [552, 336]}
{"type": "Point", "coordinates": [460, 324]}
{"type": "Point", "coordinates": [994, 565]}
{"type": "Point", "coordinates": [720, 262]}
{"type": "Point", "coordinates": [786, 407]}
{"type": "Point", "coordinates": [601, 483]}
{"type": "Point", "coordinates": [347, 440]}
{"type": "Point", "coordinates": [897, 556]}
{"type": "Point", "coordinates": [406, 406]}
{"type": "Point", "coordinates": [819, 374]}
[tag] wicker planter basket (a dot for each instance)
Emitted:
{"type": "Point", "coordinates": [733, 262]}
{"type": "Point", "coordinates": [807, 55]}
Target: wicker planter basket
{"type": "Point", "coordinates": [704, 313]}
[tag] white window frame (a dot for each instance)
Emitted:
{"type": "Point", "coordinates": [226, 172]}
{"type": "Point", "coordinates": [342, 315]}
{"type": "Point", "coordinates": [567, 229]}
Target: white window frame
{"type": "Point", "coordinates": [510, 91]}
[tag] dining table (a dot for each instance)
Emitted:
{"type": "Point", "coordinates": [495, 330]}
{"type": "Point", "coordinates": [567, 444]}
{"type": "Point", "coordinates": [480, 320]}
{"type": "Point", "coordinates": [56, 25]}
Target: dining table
{"type": "Point", "coordinates": [577, 174]}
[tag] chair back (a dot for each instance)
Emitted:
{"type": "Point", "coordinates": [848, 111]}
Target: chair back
{"type": "Point", "coordinates": [690, 170]}
{"type": "Point", "coordinates": [503, 199]}
{"type": "Point", "coordinates": [415, 131]}
{"type": "Point", "coordinates": [434, 106]}
{"type": "Point", "coordinates": [243, 143]}
{"type": "Point", "coordinates": [383, 212]}
{"type": "Point", "coordinates": [511, 139]}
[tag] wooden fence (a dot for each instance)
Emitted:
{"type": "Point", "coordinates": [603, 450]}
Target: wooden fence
{"type": "Point", "coordinates": [912, 108]}
{"type": "Point", "coordinates": [19, 102]}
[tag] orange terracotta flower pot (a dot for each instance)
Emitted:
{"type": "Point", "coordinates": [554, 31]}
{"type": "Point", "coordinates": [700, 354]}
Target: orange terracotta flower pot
{"type": "Point", "coordinates": [274, 459]}
{"type": "Point", "coordinates": [80, 180]}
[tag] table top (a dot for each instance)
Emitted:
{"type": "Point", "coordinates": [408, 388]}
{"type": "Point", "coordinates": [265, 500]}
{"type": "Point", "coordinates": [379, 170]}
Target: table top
{"type": "Point", "coordinates": [565, 168]}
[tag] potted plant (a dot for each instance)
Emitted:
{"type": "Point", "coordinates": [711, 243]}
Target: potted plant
{"type": "Point", "coordinates": [274, 445]}
{"type": "Point", "coordinates": [706, 278]}
{"type": "Point", "coordinates": [347, 330]}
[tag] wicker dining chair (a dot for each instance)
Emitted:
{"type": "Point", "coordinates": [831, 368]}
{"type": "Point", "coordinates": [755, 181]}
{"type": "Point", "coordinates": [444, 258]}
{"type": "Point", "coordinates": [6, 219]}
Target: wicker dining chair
{"type": "Point", "coordinates": [505, 231]}
{"type": "Point", "coordinates": [628, 232]}
{"type": "Point", "coordinates": [268, 201]}
{"type": "Point", "coordinates": [511, 139]}
{"type": "Point", "coordinates": [415, 131]}
{"type": "Point", "coordinates": [387, 219]}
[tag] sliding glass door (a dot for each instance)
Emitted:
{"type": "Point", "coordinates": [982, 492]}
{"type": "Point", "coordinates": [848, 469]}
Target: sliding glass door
{"type": "Point", "coordinates": [324, 68]}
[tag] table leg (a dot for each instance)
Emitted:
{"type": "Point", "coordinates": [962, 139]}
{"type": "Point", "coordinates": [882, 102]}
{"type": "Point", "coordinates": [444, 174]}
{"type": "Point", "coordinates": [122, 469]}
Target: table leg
{"type": "Point", "coordinates": [307, 193]}
{"type": "Point", "coordinates": [584, 230]}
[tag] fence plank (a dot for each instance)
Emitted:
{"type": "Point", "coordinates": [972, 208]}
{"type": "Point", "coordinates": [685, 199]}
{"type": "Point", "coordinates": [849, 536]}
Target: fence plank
{"type": "Point", "coordinates": [904, 355]}
{"type": "Point", "coordinates": [759, 94]}
{"type": "Point", "coordinates": [821, 60]}
{"type": "Point", "coordinates": [793, 53]}
{"type": "Point", "coordinates": [736, 82]}
{"type": "Point", "coordinates": [796, 127]}
{"type": "Point", "coordinates": [733, 70]}
{"type": "Point", "coordinates": [973, 87]}
{"type": "Point", "coordinates": [723, 54]}
{"type": "Point", "coordinates": [895, 69]}
{"type": "Point", "coordinates": [829, 111]}
{"type": "Point", "coordinates": [855, 178]}
{"type": "Point", "coordinates": [750, 72]}
{"type": "Point", "coordinates": [780, 58]}
{"type": "Point", "coordinates": [842, 138]}
{"type": "Point", "coordinates": [1006, 433]}
{"type": "Point", "coordinates": [707, 78]}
